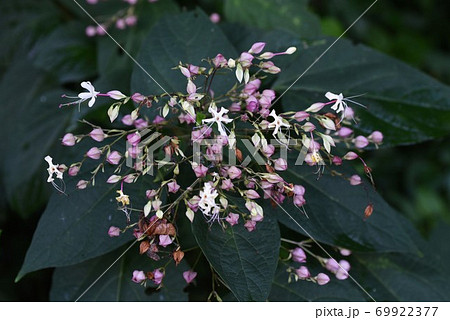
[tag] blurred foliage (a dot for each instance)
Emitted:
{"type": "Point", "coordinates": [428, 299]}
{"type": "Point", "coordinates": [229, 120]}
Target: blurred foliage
{"type": "Point", "coordinates": [413, 31]}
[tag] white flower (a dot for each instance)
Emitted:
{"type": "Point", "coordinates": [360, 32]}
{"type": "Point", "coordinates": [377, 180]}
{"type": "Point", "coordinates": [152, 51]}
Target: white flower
{"type": "Point", "coordinates": [340, 104]}
{"type": "Point", "coordinates": [91, 94]}
{"type": "Point", "coordinates": [52, 169]}
{"type": "Point", "coordinates": [208, 197]}
{"type": "Point", "coordinates": [277, 123]}
{"type": "Point", "coordinates": [218, 117]}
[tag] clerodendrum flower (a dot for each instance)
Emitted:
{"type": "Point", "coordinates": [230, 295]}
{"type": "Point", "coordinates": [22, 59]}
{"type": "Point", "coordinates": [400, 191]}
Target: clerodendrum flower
{"type": "Point", "coordinates": [340, 102]}
{"type": "Point", "coordinates": [277, 123]}
{"type": "Point", "coordinates": [91, 94]}
{"type": "Point", "coordinates": [52, 169]}
{"type": "Point", "coordinates": [219, 118]}
{"type": "Point", "coordinates": [207, 201]}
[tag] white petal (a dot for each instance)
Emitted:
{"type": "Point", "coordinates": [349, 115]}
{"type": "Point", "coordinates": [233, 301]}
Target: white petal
{"type": "Point", "coordinates": [91, 102]}
{"type": "Point", "coordinates": [84, 95]}
{"type": "Point", "coordinates": [331, 96]}
{"type": "Point", "coordinates": [239, 73]}
{"type": "Point", "coordinates": [246, 76]}
{"type": "Point", "coordinates": [87, 85]}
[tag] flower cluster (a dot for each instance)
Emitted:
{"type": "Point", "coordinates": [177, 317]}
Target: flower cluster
{"type": "Point", "coordinates": [236, 148]}
{"type": "Point", "coordinates": [121, 20]}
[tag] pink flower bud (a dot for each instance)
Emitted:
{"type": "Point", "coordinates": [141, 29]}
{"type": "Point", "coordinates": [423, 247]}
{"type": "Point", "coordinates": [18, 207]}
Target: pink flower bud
{"type": "Point", "coordinates": [199, 170]}
{"type": "Point", "coordinates": [302, 272]}
{"type": "Point", "coordinates": [120, 24]}
{"type": "Point", "coordinates": [127, 120]}
{"type": "Point", "coordinates": [322, 279]}
{"type": "Point", "coordinates": [150, 194]}
{"type": "Point", "coordinates": [219, 61]}
{"type": "Point", "coordinates": [361, 142]}
{"type": "Point", "coordinates": [134, 138]}
{"type": "Point", "coordinates": [250, 225]}
{"type": "Point", "coordinates": [232, 218]}
{"type": "Point", "coordinates": [350, 156]}
{"type": "Point", "coordinates": [158, 120]}
{"type": "Point", "coordinates": [137, 233]}
{"type": "Point", "coordinates": [251, 194]}
{"type": "Point", "coordinates": [138, 276]}
{"type": "Point", "coordinates": [137, 97]}
{"type": "Point", "coordinates": [173, 187]}
{"type": "Point", "coordinates": [245, 59]}
{"type": "Point", "coordinates": [214, 18]}
{"type": "Point", "coordinates": [157, 276]}
{"type": "Point", "coordinates": [341, 274]}
{"type": "Point", "coordinates": [91, 31]}
{"type": "Point", "coordinates": [301, 115]}
{"type": "Point", "coordinates": [193, 203]}
{"type": "Point", "coordinates": [268, 150]}
{"type": "Point", "coordinates": [189, 276]}
{"type": "Point", "coordinates": [315, 107]}
{"type": "Point", "coordinates": [269, 67]}
{"type": "Point", "coordinates": [129, 178]}
{"type": "Point", "coordinates": [113, 232]}
{"type": "Point", "coordinates": [332, 265]}
{"type": "Point", "coordinates": [308, 127]}
{"type": "Point", "coordinates": [94, 153]}
{"type": "Point", "coordinates": [344, 132]}
{"type": "Point", "coordinates": [114, 157]}
{"type": "Point", "coordinates": [113, 179]}
{"type": "Point", "coordinates": [257, 47]}
{"type": "Point", "coordinates": [165, 240]}
{"type": "Point", "coordinates": [234, 173]}
{"type": "Point", "coordinates": [355, 180]}
{"type": "Point", "coordinates": [252, 86]}
{"type": "Point", "coordinates": [227, 185]}
{"type": "Point", "coordinates": [68, 140]}
{"type": "Point", "coordinates": [349, 113]}
{"type": "Point", "coordinates": [97, 134]}
{"type": "Point", "coordinates": [100, 30]}
{"type": "Point", "coordinates": [131, 20]}
{"type": "Point", "coordinates": [82, 184]}
{"type": "Point", "coordinates": [235, 107]}
{"type": "Point", "coordinates": [73, 171]}
{"type": "Point", "coordinates": [376, 137]}
{"type": "Point", "coordinates": [345, 252]}
{"type": "Point", "coordinates": [280, 164]}
{"type": "Point", "coordinates": [337, 160]}
{"type": "Point", "coordinates": [116, 95]}
{"type": "Point", "coordinates": [299, 190]}
{"type": "Point", "coordinates": [274, 178]}
{"type": "Point", "coordinates": [299, 201]}
{"type": "Point", "coordinates": [345, 265]}
{"type": "Point", "coordinates": [298, 255]}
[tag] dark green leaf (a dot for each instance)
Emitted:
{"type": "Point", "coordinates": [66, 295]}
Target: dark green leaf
{"type": "Point", "coordinates": [401, 277]}
{"type": "Point", "coordinates": [32, 125]}
{"type": "Point", "coordinates": [67, 53]}
{"type": "Point", "coordinates": [336, 214]}
{"type": "Point", "coordinates": [292, 15]}
{"type": "Point", "coordinates": [405, 104]}
{"type": "Point", "coordinates": [189, 38]}
{"type": "Point", "coordinates": [116, 285]}
{"type": "Point", "coordinates": [246, 261]}
{"type": "Point", "coordinates": [74, 228]}
{"type": "Point", "coordinates": [335, 290]}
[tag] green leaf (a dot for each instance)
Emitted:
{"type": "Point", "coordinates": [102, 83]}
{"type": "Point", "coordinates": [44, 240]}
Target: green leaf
{"type": "Point", "coordinates": [336, 214]}
{"type": "Point", "coordinates": [74, 228]}
{"type": "Point", "coordinates": [67, 53]}
{"type": "Point", "coordinates": [246, 261]}
{"type": "Point", "coordinates": [116, 285]}
{"type": "Point", "coordinates": [32, 123]}
{"type": "Point", "coordinates": [401, 277]}
{"type": "Point", "coordinates": [335, 290]}
{"type": "Point", "coordinates": [187, 37]}
{"type": "Point", "coordinates": [292, 15]}
{"type": "Point", "coordinates": [403, 103]}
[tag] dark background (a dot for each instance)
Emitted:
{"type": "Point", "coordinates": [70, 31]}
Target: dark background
{"type": "Point", "coordinates": [413, 179]}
